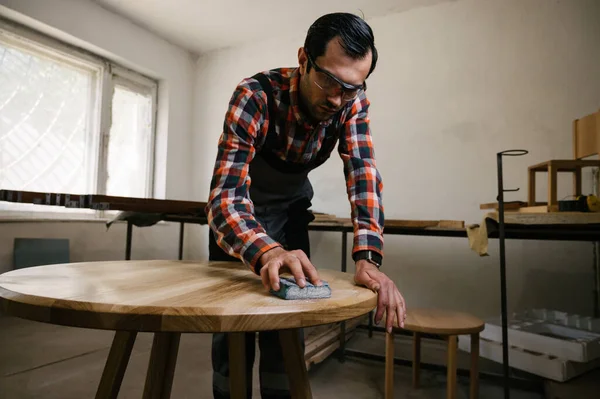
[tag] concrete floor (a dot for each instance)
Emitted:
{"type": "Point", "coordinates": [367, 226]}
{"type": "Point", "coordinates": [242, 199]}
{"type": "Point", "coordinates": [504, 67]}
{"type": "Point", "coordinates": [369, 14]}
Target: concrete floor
{"type": "Point", "coordinates": [44, 361]}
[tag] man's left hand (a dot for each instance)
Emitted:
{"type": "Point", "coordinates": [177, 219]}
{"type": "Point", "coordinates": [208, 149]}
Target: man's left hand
{"type": "Point", "coordinates": [389, 299]}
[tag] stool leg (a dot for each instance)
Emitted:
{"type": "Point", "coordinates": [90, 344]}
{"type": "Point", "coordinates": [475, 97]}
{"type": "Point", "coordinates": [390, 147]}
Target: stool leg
{"type": "Point", "coordinates": [416, 359]}
{"type": "Point", "coordinates": [451, 376]}
{"type": "Point", "coordinates": [531, 190]}
{"type": "Point", "coordinates": [116, 364]}
{"type": "Point", "coordinates": [295, 365]}
{"type": "Point", "coordinates": [474, 366]}
{"type": "Point", "coordinates": [552, 185]}
{"type": "Point", "coordinates": [237, 365]}
{"type": "Point", "coordinates": [389, 365]}
{"type": "Point", "coordinates": [161, 368]}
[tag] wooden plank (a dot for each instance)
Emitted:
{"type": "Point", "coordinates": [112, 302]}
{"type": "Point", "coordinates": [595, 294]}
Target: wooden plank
{"type": "Point", "coordinates": [564, 165]}
{"type": "Point", "coordinates": [316, 342]}
{"type": "Point", "coordinates": [103, 202]}
{"type": "Point", "coordinates": [510, 205]}
{"type": "Point", "coordinates": [326, 352]}
{"type": "Point", "coordinates": [586, 132]}
{"type": "Point", "coordinates": [425, 223]}
{"type": "Point", "coordinates": [548, 218]}
{"type": "Point", "coordinates": [451, 224]}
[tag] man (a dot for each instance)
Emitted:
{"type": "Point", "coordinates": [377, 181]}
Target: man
{"type": "Point", "coordinates": [280, 125]}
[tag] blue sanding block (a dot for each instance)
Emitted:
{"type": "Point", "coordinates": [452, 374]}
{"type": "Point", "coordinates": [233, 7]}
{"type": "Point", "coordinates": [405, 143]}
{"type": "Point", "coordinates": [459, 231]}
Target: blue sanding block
{"type": "Point", "coordinates": [288, 289]}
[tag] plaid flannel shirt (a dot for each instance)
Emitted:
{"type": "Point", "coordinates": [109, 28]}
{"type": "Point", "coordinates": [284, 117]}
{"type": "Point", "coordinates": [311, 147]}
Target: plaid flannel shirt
{"type": "Point", "coordinates": [230, 210]}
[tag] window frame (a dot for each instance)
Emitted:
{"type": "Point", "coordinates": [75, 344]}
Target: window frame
{"type": "Point", "coordinates": [107, 74]}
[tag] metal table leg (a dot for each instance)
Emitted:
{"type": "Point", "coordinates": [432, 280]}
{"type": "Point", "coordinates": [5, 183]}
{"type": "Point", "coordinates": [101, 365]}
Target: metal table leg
{"type": "Point", "coordinates": [128, 242]}
{"type": "Point", "coordinates": [344, 248]}
{"type": "Point", "coordinates": [181, 240]}
{"type": "Point", "coordinates": [596, 279]}
{"type": "Point", "coordinates": [342, 351]}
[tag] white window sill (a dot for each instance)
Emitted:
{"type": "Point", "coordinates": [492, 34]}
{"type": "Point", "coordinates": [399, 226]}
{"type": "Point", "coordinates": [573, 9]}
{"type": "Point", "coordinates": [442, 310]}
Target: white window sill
{"type": "Point", "coordinates": [55, 216]}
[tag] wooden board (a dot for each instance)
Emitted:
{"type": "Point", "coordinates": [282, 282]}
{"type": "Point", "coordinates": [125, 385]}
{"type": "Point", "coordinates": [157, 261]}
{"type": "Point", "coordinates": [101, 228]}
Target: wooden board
{"type": "Point", "coordinates": [510, 205]}
{"type": "Point", "coordinates": [565, 165]}
{"type": "Point", "coordinates": [322, 219]}
{"type": "Point", "coordinates": [441, 321]}
{"type": "Point", "coordinates": [171, 296]}
{"type": "Point", "coordinates": [316, 342]}
{"type": "Point", "coordinates": [103, 202]}
{"type": "Point", "coordinates": [548, 218]}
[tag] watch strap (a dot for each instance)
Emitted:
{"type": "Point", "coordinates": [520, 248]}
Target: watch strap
{"type": "Point", "coordinates": [370, 256]}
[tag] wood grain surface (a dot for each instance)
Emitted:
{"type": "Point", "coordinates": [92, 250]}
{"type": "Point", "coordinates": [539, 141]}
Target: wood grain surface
{"type": "Point", "coordinates": [171, 296]}
{"type": "Point", "coordinates": [440, 321]}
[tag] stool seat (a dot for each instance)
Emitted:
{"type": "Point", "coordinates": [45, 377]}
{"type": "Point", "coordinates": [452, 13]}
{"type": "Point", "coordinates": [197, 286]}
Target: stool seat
{"type": "Point", "coordinates": [442, 322]}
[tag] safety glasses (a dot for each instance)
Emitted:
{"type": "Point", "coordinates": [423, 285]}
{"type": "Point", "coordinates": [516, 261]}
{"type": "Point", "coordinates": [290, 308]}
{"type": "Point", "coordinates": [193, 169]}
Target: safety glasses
{"type": "Point", "coordinates": [329, 83]}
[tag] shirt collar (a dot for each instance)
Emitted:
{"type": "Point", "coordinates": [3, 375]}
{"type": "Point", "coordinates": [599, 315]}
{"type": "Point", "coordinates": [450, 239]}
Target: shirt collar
{"type": "Point", "coordinates": [295, 103]}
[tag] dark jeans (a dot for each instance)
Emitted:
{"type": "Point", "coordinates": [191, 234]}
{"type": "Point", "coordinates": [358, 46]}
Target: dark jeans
{"type": "Point", "coordinates": [289, 228]}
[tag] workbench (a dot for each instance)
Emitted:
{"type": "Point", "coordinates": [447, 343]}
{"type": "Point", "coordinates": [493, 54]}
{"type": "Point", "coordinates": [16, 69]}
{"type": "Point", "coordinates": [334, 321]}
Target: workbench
{"type": "Point", "coordinates": [547, 227]}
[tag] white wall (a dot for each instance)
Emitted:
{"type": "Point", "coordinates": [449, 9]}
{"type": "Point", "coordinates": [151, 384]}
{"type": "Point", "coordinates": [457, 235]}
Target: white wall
{"type": "Point", "coordinates": [456, 83]}
{"type": "Point", "coordinates": [84, 23]}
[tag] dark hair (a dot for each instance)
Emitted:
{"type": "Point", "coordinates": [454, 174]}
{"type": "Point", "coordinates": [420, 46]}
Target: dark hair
{"type": "Point", "coordinates": [356, 36]}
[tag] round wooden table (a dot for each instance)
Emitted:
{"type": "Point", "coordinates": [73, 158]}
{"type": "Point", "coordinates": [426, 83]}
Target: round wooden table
{"type": "Point", "coordinates": [173, 297]}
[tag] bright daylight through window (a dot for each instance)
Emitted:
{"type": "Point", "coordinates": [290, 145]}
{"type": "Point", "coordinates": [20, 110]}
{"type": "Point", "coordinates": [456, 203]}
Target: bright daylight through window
{"type": "Point", "coordinates": [71, 122]}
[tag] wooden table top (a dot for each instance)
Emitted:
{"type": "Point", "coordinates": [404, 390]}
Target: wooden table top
{"type": "Point", "coordinates": [174, 296]}
{"type": "Point", "coordinates": [442, 321]}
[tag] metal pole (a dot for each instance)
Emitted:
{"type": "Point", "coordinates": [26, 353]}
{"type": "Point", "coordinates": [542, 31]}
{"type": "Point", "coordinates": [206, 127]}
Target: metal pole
{"type": "Point", "coordinates": [503, 295]}
{"type": "Point", "coordinates": [344, 249]}
{"type": "Point", "coordinates": [128, 242]}
{"type": "Point", "coordinates": [503, 279]}
{"type": "Point", "coordinates": [342, 352]}
{"type": "Point", "coordinates": [596, 279]}
{"type": "Point", "coordinates": [181, 224]}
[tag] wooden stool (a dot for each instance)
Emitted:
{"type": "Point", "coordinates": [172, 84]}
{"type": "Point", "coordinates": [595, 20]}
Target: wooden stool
{"type": "Point", "coordinates": [448, 324]}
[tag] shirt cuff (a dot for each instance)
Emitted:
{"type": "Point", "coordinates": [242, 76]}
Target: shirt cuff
{"type": "Point", "coordinates": [256, 248]}
{"type": "Point", "coordinates": [366, 240]}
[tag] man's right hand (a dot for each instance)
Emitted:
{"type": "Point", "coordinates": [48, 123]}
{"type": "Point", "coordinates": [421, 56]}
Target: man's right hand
{"type": "Point", "coordinates": [278, 260]}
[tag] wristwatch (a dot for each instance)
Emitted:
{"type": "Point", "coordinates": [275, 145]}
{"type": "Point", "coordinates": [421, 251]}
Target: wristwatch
{"type": "Point", "coordinates": [370, 256]}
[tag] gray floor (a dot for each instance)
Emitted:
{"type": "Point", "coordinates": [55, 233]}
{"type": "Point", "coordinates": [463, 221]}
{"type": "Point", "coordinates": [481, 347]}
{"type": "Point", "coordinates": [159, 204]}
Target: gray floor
{"type": "Point", "coordinates": [45, 361]}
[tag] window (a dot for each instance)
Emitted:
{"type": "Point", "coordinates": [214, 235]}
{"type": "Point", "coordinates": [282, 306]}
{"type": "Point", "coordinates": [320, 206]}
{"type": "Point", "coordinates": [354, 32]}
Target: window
{"type": "Point", "coordinates": [71, 122]}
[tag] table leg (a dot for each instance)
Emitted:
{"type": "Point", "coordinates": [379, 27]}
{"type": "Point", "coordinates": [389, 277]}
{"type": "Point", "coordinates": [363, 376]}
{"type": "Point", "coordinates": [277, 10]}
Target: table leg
{"type": "Point", "coordinates": [181, 240]}
{"type": "Point", "coordinates": [128, 240]}
{"type": "Point", "coordinates": [596, 279]}
{"type": "Point", "coordinates": [161, 368]}
{"type": "Point", "coordinates": [116, 364]}
{"type": "Point", "coordinates": [237, 365]}
{"type": "Point", "coordinates": [451, 372]}
{"type": "Point", "coordinates": [389, 365]}
{"type": "Point", "coordinates": [295, 365]}
{"type": "Point", "coordinates": [371, 324]}
{"type": "Point", "coordinates": [342, 349]}
{"type": "Point", "coordinates": [416, 359]}
{"type": "Point", "coordinates": [474, 366]}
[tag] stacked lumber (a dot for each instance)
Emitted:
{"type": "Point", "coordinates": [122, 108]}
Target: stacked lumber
{"type": "Point", "coordinates": [324, 218]}
{"type": "Point", "coordinates": [322, 341]}
{"type": "Point", "coordinates": [327, 219]}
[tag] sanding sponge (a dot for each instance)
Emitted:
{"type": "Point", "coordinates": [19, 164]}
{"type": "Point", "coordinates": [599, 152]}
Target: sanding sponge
{"type": "Point", "coordinates": [288, 289]}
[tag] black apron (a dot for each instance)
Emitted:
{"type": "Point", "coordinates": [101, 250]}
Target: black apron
{"type": "Point", "coordinates": [280, 190]}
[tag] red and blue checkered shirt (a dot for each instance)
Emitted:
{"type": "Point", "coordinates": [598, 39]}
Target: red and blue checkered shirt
{"type": "Point", "coordinates": [229, 208]}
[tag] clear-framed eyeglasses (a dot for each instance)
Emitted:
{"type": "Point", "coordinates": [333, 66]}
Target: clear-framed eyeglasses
{"type": "Point", "coordinates": [329, 83]}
